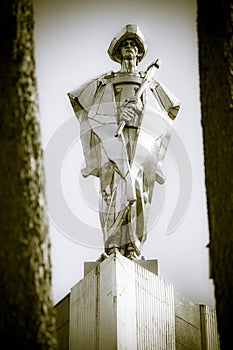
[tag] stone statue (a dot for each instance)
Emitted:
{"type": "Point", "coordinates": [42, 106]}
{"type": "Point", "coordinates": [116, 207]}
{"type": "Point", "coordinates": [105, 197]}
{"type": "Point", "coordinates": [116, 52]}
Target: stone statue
{"type": "Point", "coordinates": [125, 122]}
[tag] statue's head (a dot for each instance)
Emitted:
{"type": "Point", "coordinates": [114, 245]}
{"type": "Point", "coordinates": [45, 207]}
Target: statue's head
{"type": "Point", "coordinates": [132, 36]}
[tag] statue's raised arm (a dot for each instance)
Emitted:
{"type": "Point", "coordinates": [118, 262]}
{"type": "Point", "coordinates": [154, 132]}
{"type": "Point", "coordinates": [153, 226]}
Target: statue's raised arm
{"type": "Point", "coordinates": [125, 123]}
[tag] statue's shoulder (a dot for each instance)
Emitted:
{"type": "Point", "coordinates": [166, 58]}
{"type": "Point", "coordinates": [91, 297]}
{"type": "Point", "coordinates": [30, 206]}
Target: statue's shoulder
{"type": "Point", "coordinates": [169, 101]}
{"type": "Point", "coordinates": [91, 84]}
{"type": "Point", "coordinates": [83, 95]}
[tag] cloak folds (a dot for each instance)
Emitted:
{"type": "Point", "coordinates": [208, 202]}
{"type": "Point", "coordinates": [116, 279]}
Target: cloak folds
{"type": "Point", "coordinates": [126, 182]}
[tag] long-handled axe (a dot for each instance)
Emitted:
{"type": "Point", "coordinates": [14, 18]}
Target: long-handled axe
{"type": "Point", "coordinates": [148, 77]}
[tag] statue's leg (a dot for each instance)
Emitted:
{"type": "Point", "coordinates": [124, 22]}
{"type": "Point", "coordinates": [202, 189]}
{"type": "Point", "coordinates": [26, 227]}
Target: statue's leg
{"type": "Point", "coordinates": [114, 205]}
{"type": "Point", "coordinates": [133, 244]}
{"type": "Point", "coordinates": [138, 218]}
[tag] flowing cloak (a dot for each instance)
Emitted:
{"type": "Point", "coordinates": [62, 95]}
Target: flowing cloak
{"type": "Point", "coordinates": [97, 109]}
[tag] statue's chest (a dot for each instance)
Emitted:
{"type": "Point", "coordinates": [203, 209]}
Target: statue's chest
{"type": "Point", "coordinates": [124, 91]}
{"type": "Point", "coordinates": [125, 87]}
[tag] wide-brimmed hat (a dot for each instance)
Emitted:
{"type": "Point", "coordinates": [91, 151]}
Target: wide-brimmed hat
{"type": "Point", "coordinates": [130, 31]}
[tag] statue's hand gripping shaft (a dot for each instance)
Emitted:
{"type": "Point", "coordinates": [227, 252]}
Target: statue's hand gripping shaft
{"type": "Point", "coordinates": [131, 107]}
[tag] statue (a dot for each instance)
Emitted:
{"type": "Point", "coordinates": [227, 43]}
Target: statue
{"type": "Point", "coordinates": [125, 125]}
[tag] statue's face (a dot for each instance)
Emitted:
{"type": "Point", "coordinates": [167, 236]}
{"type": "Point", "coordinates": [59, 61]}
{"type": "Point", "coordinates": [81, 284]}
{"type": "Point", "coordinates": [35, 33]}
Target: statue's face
{"type": "Point", "coordinates": [129, 49]}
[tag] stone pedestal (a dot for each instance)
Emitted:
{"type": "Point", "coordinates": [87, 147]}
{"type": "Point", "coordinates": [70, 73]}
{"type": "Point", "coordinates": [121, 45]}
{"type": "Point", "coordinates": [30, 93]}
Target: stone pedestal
{"type": "Point", "coordinates": [121, 305]}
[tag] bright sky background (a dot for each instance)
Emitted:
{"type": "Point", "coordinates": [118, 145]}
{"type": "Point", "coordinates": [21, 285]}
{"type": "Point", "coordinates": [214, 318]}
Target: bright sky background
{"type": "Point", "coordinates": [72, 38]}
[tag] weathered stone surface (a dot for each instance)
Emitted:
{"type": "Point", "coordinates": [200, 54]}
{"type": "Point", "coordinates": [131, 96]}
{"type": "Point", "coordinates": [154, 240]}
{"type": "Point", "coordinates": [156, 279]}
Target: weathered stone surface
{"type": "Point", "coordinates": [151, 265]}
{"type": "Point", "coordinates": [121, 305]}
{"type": "Point", "coordinates": [187, 310]}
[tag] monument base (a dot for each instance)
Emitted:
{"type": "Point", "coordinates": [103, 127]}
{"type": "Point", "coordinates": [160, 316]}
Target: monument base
{"type": "Point", "coordinates": [120, 304]}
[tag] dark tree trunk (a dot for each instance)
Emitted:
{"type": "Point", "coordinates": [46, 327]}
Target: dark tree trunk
{"type": "Point", "coordinates": [26, 309]}
{"type": "Point", "coordinates": [215, 32]}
